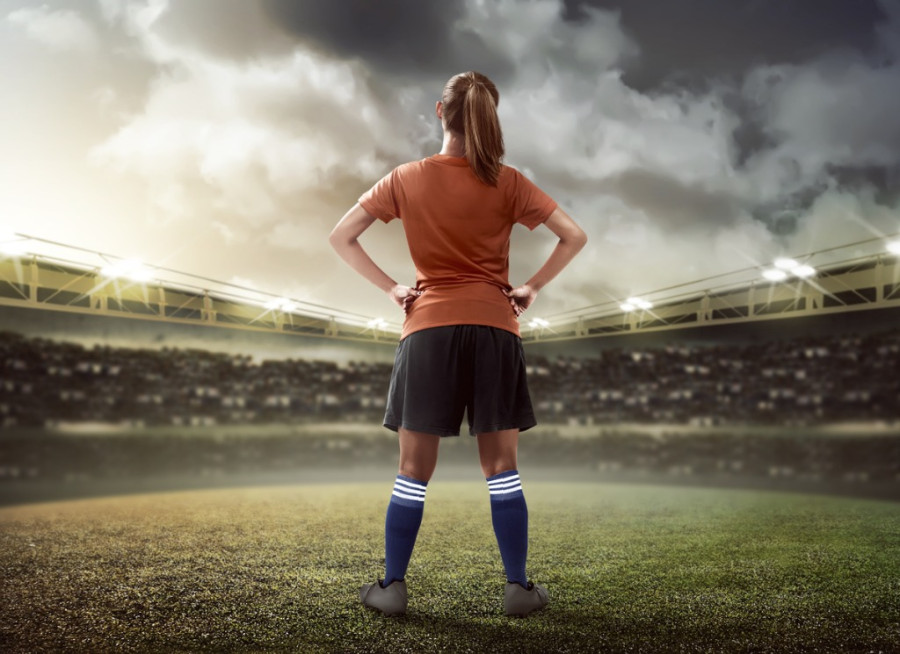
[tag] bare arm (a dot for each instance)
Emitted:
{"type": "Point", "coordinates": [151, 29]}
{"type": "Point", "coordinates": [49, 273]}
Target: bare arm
{"type": "Point", "coordinates": [571, 239]}
{"type": "Point", "coordinates": [344, 238]}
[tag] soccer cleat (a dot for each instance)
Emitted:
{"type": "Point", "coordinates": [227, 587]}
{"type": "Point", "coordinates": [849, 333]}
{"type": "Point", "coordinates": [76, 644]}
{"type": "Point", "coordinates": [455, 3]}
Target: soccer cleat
{"type": "Point", "coordinates": [390, 600]}
{"type": "Point", "coordinates": [520, 601]}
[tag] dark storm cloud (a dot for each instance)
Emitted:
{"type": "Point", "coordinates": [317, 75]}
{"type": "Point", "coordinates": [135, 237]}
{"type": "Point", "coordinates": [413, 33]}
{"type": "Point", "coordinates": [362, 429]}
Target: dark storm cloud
{"type": "Point", "coordinates": [677, 205]}
{"type": "Point", "coordinates": [686, 42]}
{"type": "Point", "coordinates": [884, 180]}
{"type": "Point", "coordinates": [791, 73]}
{"type": "Point", "coordinates": [396, 36]}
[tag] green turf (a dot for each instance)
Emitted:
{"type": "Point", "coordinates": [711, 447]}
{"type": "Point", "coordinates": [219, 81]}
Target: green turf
{"type": "Point", "coordinates": [629, 568]}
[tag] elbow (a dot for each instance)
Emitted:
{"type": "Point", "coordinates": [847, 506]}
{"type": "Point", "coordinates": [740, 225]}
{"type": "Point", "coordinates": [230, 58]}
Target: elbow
{"type": "Point", "coordinates": [582, 238]}
{"type": "Point", "coordinates": [337, 239]}
{"type": "Point", "coordinates": [577, 239]}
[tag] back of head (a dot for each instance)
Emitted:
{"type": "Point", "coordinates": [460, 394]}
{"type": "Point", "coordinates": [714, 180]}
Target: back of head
{"type": "Point", "coordinates": [470, 108]}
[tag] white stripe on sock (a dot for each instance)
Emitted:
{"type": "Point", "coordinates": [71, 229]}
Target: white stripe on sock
{"type": "Point", "coordinates": [409, 485]}
{"type": "Point", "coordinates": [402, 492]}
{"type": "Point", "coordinates": [501, 483]}
{"type": "Point", "coordinates": [418, 498]}
{"type": "Point", "coordinates": [407, 491]}
{"type": "Point", "coordinates": [504, 491]}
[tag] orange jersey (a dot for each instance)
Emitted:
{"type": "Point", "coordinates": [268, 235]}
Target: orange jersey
{"type": "Point", "coordinates": [458, 232]}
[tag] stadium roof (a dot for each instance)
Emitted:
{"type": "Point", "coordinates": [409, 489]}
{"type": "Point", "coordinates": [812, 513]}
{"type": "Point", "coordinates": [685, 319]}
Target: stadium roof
{"type": "Point", "coordinates": [850, 277]}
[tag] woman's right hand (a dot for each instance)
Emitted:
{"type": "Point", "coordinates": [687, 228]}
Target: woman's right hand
{"type": "Point", "coordinates": [404, 296]}
{"type": "Point", "coordinates": [520, 298]}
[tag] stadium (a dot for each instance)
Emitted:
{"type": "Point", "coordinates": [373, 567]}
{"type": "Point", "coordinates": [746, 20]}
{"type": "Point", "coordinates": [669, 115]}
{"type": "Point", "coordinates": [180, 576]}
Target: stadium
{"type": "Point", "coordinates": [193, 383]}
{"type": "Point", "coordinates": [750, 394]}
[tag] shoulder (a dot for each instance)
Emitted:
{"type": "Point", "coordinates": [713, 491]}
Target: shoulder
{"type": "Point", "coordinates": [414, 166]}
{"type": "Point", "coordinates": [513, 173]}
{"type": "Point", "coordinates": [514, 180]}
{"type": "Point", "coordinates": [408, 170]}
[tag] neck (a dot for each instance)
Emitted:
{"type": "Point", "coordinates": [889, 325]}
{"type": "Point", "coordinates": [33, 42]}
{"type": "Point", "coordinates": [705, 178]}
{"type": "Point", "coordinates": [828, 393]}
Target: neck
{"type": "Point", "coordinates": [454, 144]}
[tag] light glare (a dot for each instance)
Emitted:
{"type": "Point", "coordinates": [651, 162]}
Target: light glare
{"type": "Point", "coordinates": [774, 275]}
{"type": "Point", "coordinates": [784, 263]}
{"type": "Point", "coordinates": [128, 269]}
{"type": "Point", "coordinates": [280, 304]}
{"type": "Point", "coordinates": [893, 247]}
{"type": "Point", "coordinates": [11, 246]}
{"type": "Point", "coordinates": [635, 303]}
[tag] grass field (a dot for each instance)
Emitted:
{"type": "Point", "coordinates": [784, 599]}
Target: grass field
{"type": "Point", "coordinates": [629, 568]}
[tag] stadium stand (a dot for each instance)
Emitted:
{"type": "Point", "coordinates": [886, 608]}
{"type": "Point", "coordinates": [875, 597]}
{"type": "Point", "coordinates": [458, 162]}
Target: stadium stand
{"type": "Point", "coordinates": [711, 397]}
{"type": "Point", "coordinates": [802, 382]}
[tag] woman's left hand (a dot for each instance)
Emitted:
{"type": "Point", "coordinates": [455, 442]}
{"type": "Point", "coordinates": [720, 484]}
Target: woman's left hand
{"type": "Point", "coordinates": [520, 298]}
{"type": "Point", "coordinates": [404, 296]}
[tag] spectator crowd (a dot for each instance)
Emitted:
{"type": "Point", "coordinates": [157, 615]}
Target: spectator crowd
{"type": "Point", "coordinates": [801, 382]}
{"type": "Point", "coordinates": [719, 412]}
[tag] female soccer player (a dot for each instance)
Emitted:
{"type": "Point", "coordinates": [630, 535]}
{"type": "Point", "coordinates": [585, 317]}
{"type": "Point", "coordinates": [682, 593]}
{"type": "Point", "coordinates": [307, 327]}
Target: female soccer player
{"type": "Point", "coordinates": [459, 347]}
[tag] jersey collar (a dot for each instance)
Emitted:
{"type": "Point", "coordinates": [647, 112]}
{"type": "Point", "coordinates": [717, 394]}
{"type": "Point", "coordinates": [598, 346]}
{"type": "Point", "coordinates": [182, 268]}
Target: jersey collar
{"type": "Point", "coordinates": [451, 161]}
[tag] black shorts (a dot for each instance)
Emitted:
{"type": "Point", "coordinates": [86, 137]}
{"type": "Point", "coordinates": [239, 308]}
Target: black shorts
{"type": "Point", "coordinates": [442, 371]}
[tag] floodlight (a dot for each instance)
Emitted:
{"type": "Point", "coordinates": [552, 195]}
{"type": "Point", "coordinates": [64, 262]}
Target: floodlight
{"type": "Point", "coordinates": [538, 322]}
{"type": "Point", "coordinates": [281, 304]}
{"type": "Point", "coordinates": [803, 271]}
{"type": "Point", "coordinates": [12, 246]}
{"type": "Point", "coordinates": [774, 275]}
{"type": "Point", "coordinates": [377, 323]}
{"type": "Point", "coordinates": [635, 303]}
{"type": "Point", "coordinates": [893, 247]}
{"type": "Point", "coordinates": [128, 269]}
{"type": "Point", "coordinates": [784, 263]}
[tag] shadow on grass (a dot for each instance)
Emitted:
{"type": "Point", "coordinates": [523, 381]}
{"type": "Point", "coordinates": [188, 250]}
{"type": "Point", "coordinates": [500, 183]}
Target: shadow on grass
{"type": "Point", "coordinates": [608, 629]}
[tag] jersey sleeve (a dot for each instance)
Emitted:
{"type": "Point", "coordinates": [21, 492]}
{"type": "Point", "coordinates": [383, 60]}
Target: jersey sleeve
{"type": "Point", "coordinates": [531, 206]}
{"type": "Point", "coordinates": [381, 200]}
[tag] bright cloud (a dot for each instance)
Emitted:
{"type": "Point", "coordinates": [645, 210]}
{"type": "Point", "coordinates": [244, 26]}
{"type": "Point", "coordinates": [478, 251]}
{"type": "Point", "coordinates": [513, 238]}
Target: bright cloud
{"type": "Point", "coordinates": [62, 29]}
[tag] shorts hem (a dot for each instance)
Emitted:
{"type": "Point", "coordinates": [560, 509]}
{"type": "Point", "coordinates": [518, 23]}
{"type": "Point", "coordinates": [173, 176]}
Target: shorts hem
{"type": "Point", "coordinates": [436, 431]}
{"type": "Point", "coordinates": [521, 425]}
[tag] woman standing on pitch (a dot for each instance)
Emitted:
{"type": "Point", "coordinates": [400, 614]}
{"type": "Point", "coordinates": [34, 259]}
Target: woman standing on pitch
{"type": "Point", "coordinates": [460, 347]}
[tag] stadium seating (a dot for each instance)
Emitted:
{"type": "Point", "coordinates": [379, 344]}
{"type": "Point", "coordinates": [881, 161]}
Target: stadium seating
{"type": "Point", "coordinates": [717, 412]}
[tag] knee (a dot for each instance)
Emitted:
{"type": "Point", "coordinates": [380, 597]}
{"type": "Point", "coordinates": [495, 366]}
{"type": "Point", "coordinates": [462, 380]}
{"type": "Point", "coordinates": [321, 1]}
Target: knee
{"type": "Point", "coordinates": [496, 465]}
{"type": "Point", "coordinates": [416, 472]}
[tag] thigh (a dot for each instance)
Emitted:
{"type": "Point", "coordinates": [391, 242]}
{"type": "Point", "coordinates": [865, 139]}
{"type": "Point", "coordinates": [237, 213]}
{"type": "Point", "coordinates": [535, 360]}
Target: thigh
{"type": "Point", "coordinates": [497, 451]}
{"type": "Point", "coordinates": [418, 454]}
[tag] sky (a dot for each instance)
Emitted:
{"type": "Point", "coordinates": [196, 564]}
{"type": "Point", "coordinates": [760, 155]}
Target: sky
{"type": "Point", "coordinates": [225, 138]}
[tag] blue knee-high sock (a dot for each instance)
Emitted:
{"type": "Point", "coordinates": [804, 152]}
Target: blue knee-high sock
{"type": "Point", "coordinates": [401, 526]}
{"type": "Point", "coordinates": [510, 517]}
